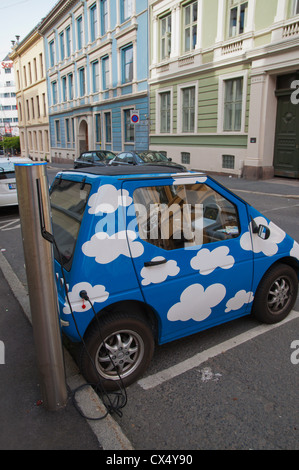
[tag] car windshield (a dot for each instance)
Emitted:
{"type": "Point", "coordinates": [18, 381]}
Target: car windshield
{"type": "Point", "coordinates": [107, 155]}
{"type": "Point", "coordinates": [152, 157]}
{"type": "Point", "coordinates": [7, 170]}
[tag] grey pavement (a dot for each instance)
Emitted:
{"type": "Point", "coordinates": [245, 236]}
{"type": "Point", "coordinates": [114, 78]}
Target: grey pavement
{"type": "Point", "coordinates": [25, 423]}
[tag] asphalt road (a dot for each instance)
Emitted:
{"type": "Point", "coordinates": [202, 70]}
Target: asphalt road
{"type": "Point", "coordinates": [231, 387]}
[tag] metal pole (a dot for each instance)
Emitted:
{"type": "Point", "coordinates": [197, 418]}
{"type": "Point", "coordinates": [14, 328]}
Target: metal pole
{"type": "Point", "coordinates": [33, 194]}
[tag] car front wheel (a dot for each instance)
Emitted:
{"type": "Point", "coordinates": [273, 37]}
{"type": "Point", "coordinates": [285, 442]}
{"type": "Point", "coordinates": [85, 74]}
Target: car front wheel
{"type": "Point", "coordinates": [276, 294]}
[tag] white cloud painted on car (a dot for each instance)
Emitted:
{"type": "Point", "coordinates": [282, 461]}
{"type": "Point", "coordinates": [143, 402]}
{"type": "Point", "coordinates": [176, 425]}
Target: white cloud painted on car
{"type": "Point", "coordinates": [207, 261]}
{"type": "Point", "coordinates": [268, 247]}
{"type": "Point", "coordinates": [96, 293]}
{"type": "Point", "coordinates": [235, 303]}
{"type": "Point", "coordinates": [159, 273]}
{"type": "Point", "coordinates": [107, 200]}
{"type": "Point", "coordinates": [196, 303]}
{"type": "Point", "coordinates": [105, 248]}
{"type": "Point", "coordinates": [295, 250]}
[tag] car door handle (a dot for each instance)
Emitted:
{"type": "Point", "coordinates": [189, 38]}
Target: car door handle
{"type": "Point", "coordinates": [147, 264]}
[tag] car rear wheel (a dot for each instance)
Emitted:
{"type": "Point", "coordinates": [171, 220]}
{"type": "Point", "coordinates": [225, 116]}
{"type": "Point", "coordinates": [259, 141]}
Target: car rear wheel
{"type": "Point", "coordinates": [276, 294]}
{"type": "Point", "coordinates": [118, 349]}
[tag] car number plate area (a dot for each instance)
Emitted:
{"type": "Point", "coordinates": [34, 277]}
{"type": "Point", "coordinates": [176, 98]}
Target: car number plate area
{"type": "Point", "coordinates": [12, 186]}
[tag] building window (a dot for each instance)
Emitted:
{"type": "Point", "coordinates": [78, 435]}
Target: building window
{"type": "Point", "coordinates": [185, 158]}
{"type": "Point", "coordinates": [165, 35]}
{"type": "Point", "coordinates": [62, 51]}
{"type": "Point", "coordinates": [93, 22]}
{"type": "Point", "coordinates": [126, 9]}
{"type": "Point", "coordinates": [105, 72]}
{"type": "Point", "coordinates": [54, 93]}
{"type": "Point", "coordinates": [95, 76]}
{"type": "Point", "coordinates": [190, 26]}
{"type": "Point", "coordinates": [82, 81]}
{"type": "Point", "coordinates": [41, 64]}
{"type": "Point", "coordinates": [98, 129]}
{"type": "Point", "coordinates": [165, 112]}
{"type": "Point", "coordinates": [79, 33]}
{"type": "Point", "coordinates": [71, 86]}
{"type": "Point", "coordinates": [127, 64]}
{"type": "Point", "coordinates": [233, 99]}
{"type": "Point", "coordinates": [108, 130]}
{"type": "Point", "coordinates": [38, 106]}
{"type": "Point", "coordinates": [52, 53]}
{"type": "Point", "coordinates": [57, 131]}
{"type": "Point", "coordinates": [228, 161]}
{"type": "Point", "coordinates": [104, 17]}
{"type": "Point", "coordinates": [188, 109]}
{"type": "Point", "coordinates": [295, 7]}
{"type": "Point", "coordinates": [237, 17]}
{"type": "Point", "coordinates": [68, 41]}
{"type": "Point", "coordinates": [67, 130]}
{"type": "Point", "coordinates": [128, 126]}
{"type": "Point", "coordinates": [64, 89]}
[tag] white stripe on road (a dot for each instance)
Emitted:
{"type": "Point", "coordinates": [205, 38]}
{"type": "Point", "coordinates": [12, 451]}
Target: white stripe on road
{"type": "Point", "coordinates": [157, 379]}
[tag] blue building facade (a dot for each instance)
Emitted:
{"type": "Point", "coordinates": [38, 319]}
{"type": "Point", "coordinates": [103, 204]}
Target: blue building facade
{"type": "Point", "coordinates": [96, 54]}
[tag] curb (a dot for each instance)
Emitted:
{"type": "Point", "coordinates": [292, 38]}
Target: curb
{"type": "Point", "coordinates": [107, 431]}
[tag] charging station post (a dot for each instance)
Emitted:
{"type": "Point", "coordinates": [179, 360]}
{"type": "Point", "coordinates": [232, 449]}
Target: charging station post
{"type": "Point", "coordinates": [34, 210]}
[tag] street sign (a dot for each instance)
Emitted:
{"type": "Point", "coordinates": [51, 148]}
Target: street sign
{"type": "Point", "coordinates": [134, 115]}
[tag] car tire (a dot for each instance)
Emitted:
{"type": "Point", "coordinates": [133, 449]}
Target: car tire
{"type": "Point", "coordinates": [276, 294]}
{"type": "Point", "coordinates": [118, 340]}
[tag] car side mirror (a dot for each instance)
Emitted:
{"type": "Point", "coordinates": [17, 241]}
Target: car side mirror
{"type": "Point", "coordinates": [263, 232]}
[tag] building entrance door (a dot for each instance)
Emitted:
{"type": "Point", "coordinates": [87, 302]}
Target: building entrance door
{"type": "Point", "coordinates": [286, 152]}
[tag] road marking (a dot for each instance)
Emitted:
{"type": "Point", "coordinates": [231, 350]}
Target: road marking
{"type": "Point", "coordinates": [154, 380]}
{"type": "Point", "coordinates": [9, 223]}
{"type": "Point", "coordinates": [260, 193]}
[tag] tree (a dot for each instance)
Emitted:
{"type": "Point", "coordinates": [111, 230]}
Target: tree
{"type": "Point", "coordinates": [11, 143]}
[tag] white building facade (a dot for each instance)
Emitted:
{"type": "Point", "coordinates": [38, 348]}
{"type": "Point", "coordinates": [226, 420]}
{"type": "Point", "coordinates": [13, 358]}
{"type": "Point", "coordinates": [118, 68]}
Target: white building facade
{"type": "Point", "coordinates": [8, 104]}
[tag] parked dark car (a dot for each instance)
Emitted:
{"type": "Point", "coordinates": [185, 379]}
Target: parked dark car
{"type": "Point", "coordinates": [146, 157]}
{"type": "Point", "coordinates": [94, 157]}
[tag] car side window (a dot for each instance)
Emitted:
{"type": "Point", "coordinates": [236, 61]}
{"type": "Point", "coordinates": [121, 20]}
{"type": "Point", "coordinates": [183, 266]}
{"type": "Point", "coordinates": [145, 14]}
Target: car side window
{"type": "Point", "coordinates": [179, 216]}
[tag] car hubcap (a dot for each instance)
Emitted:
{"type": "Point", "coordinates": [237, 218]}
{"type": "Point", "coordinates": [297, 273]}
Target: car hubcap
{"type": "Point", "coordinates": [279, 295]}
{"type": "Point", "coordinates": [120, 354]}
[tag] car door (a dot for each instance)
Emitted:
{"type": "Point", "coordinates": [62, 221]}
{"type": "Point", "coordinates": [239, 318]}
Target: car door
{"type": "Point", "coordinates": [193, 271]}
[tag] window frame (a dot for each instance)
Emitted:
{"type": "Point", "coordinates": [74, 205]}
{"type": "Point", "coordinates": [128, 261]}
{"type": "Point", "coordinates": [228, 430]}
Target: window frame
{"type": "Point", "coordinates": [159, 118]}
{"type": "Point", "coordinates": [105, 65]}
{"type": "Point", "coordinates": [93, 22]}
{"type": "Point", "coordinates": [181, 89]}
{"type": "Point", "coordinates": [221, 98]}
{"type": "Point", "coordinates": [164, 55]}
{"type": "Point", "coordinates": [126, 9]}
{"type": "Point", "coordinates": [190, 26]}
{"type": "Point", "coordinates": [104, 16]}
{"type": "Point", "coordinates": [95, 75]}
{"type": "Point", "coordinates": [126, 112]}
{"type": "Point", "coordinates": [82, 82]}
{"type": "Point", "coordinates": [237, 7]}
{"type": "Point", "coordinates": [51, 53]}
{"type": "Point", "coordinates": [127, 62]}
{"type": "Point", "coordinates": [80, 32]}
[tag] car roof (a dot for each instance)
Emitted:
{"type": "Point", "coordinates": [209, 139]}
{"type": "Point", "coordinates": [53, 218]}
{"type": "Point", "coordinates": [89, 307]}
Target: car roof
{"type": "Point", "coordinates": [149, 169]}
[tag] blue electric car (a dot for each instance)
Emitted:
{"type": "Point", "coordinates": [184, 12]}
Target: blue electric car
{"type": "Point", "coordinates": [146, 255]}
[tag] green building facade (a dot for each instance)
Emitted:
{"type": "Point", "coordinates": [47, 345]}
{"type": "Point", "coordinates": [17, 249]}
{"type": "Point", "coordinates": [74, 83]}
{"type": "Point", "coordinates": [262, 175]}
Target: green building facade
{"type": "Point", "coordinates": [223, 78]}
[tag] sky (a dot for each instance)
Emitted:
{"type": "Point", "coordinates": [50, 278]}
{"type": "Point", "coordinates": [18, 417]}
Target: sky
{"type": "Point", "coordinates": [18, 18]}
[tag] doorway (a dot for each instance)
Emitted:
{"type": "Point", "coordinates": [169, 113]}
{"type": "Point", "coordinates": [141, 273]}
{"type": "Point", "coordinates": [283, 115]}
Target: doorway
{"type": "Point", "coordinates": [286, 152]}
{"type": "Point", "coordinates": [83, 137]}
